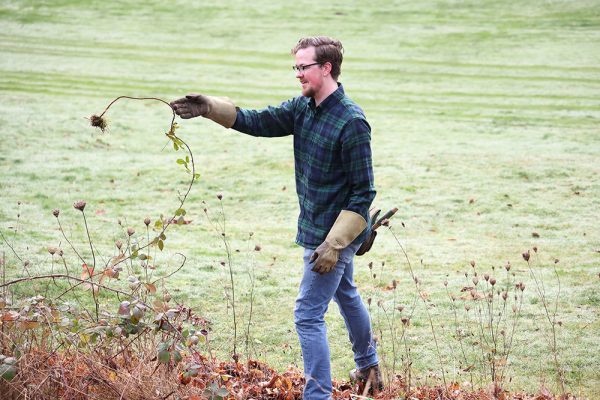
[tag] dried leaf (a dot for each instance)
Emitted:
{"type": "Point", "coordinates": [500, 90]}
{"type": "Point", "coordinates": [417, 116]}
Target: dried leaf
{"type": "Point", "coordinates": [10, 316]}
{"type": "Point", "coordinates": [151, 287]}
{"type": "Point", "coordinates": [29, 324]}
{"type": "Point", "coordinates": [124, 308]}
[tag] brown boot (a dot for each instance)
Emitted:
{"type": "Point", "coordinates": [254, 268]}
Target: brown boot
{"type": "Point", "coordinates": [370, 379]}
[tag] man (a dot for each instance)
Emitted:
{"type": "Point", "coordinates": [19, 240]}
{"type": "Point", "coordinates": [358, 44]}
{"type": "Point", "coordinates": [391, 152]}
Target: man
{"type": "Point", "coordinates": [334, 183]}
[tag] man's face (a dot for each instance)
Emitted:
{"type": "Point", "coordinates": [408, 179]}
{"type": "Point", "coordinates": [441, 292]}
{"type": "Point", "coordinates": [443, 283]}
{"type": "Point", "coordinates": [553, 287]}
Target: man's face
{"type": "Point", "coordinates": [311, 79]}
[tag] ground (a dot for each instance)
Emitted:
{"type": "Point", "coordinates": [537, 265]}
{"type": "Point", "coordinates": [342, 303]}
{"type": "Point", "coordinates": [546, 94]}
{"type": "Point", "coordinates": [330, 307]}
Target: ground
{"type": "Point", "coordinates": [485, 120]}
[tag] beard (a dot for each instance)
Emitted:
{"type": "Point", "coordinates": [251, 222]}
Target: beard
{"type": "Point", "coordinates": [309, 91]}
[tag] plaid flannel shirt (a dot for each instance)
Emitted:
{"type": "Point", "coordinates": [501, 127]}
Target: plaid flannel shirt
{"type": "Point", "coordinates": [332, 154]}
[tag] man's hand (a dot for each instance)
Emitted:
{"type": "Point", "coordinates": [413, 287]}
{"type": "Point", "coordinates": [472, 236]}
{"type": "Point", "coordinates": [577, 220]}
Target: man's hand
{"type": "Point", "coordinates": [191, 106]}
{"type": "Point", "coordinates": [346, 228]}
{"type": "Point", "coordinates": [219, 109]}
{"type": "Point", "coordinates": [325, 257]}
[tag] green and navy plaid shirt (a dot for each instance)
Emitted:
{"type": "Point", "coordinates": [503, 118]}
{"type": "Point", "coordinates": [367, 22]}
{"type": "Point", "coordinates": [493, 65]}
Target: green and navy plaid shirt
{"type": "Point", "coordinates": [332, 154]}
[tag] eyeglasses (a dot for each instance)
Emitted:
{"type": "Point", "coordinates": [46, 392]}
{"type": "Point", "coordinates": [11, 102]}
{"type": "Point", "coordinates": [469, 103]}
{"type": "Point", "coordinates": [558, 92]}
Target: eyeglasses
{"type": "Point", "coordinates": [302, 68]}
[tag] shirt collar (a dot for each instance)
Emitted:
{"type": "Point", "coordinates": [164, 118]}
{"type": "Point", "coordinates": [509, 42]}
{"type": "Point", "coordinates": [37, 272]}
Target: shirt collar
{"type": "Point", "coordinates": [332, 99]}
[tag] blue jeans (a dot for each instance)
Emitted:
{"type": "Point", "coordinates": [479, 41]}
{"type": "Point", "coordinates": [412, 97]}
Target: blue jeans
{"type": "Point", "coordinates": [316, 291]}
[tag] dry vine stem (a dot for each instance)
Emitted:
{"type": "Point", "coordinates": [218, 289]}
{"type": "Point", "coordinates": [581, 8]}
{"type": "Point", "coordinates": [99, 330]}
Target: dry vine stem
{"type": "Point", "coordinates": [99, 121]}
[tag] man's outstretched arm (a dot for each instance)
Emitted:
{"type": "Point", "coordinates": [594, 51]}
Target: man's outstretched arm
{"type": "Point", "coordinates": [268, 122]}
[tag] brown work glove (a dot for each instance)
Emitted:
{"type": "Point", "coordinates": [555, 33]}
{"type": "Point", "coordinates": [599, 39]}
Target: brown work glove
{"type": "Point", "coordinates": [346, 228]}
{"type": "Point", "coordinates": [219, 109]}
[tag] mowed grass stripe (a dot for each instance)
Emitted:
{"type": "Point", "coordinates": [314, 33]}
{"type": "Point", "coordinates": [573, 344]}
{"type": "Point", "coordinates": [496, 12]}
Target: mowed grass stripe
{"type": "Point", "coordinates": [99, 53]}
{"type": "Point", "coordinates": [550, 101]}
{"type": "Point", "coordinates": [86, 85]}
{"type": "Point", "coordinates": [259, 55]}
{"type": "Point", "coordinates": [164, 49]}
{"type": "Point", "coordinates": [408, 108]}
{"type": "Point", "coordinates": [398, 103]}
{"type": "Point", "coordinates": [97, 84]}
{"type": "Point", "coordinates": [269, 59]}
{"type": "Point", "coordinates": [364, 71]}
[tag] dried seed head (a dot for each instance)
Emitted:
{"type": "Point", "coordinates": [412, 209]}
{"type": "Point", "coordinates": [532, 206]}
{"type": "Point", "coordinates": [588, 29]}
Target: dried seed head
{"type": "Point", "coordinates": [380, 303]}
{"type": "Point", "coordinates": [371, 265]}
{"type": "Point", "coordinates": [556, 261]}
{"type": "Point", "coordinates": [526, 255]}
{"type": "Point", "coordinates": [416, 280]}
{"type": "Point", "coordinates": [394, 284]}
{"type": "Point", "coordinates": [251, 234]}
{"type": "Point", "coordinates": [79, 205]}
{"type": "Point", "coordinates": [492, 281]}
{"type": "Point", "coordinates": [220, 196]}
{"type": "Point", "coordinates": [475, 280]}
{"type": "Point", "coordinates": [504, 295]}
{"type": "Point", "coordinates": [467, 307]}
{"type": "Point", "coordinates": [26, 263]}
{"type": "Point", "coordinates": [400, 308]}
{"type": "Point", "coordinates": [486, 277]}
{"type": "Point", "coordinates": [445, 283]}
{"type": "Point", "coordinates": [52, 250]}
{"type": "Point", "coordinates": [383, 263]}
{"type": "Point", "coordinates": [60, 252]}
{"type": "Point", "coordinates": [514, 308]}
{"type": "Point", "coordinates": [535, 248]}
{"type": "Point", "coordinates": [98, 122]}
{"type": "Point", "coordinates": [369, 301]}
{"type": "Point", "coordinates": [405, 321]}
{"type": "Point", "coordinates": [473, 263]}
{"type": "Point", "coordinates": [130, 231]}
{"type": "Point", "coordinates": [507, 266]}
{"type": "Point", "coordinates": [147, 221]}
{"type": "Point", "coordinates": [119, 244]}
{"type": "Point", "coordinates": [257, 247]}
{"type": "Point", "coordinates": [56, 212]}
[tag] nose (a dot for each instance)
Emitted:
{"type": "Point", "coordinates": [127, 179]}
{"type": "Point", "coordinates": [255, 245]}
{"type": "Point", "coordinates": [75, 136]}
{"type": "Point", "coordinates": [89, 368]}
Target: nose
{"type": "Point", "coordinates": [299, 73]}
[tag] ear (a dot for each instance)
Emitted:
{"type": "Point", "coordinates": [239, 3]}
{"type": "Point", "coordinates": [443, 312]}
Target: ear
{"type": "Point", "coordinates": [327, 68]}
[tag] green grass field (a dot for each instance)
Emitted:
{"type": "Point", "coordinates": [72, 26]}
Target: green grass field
{"type": "Point", "coordinates": [486, 125]}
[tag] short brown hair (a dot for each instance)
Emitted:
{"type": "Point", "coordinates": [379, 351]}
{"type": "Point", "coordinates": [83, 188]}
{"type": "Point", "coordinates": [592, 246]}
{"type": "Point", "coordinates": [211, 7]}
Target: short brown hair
{"type": "Point", "coordinates": [327, 49]}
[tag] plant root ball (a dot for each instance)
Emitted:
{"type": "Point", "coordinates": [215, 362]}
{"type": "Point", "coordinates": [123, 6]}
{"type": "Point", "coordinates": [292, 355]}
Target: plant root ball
{"type": "Point", "coordinates": [98, 122]}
